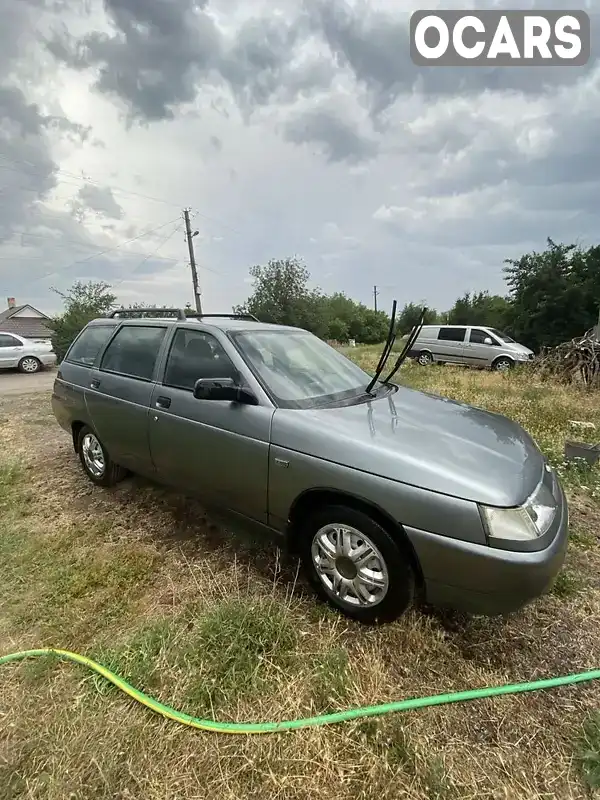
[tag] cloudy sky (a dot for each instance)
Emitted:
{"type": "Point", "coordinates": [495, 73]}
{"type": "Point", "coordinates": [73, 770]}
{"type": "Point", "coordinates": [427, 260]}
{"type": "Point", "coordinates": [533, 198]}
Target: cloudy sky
{"type": "Point", "coordinates": [290, 127]}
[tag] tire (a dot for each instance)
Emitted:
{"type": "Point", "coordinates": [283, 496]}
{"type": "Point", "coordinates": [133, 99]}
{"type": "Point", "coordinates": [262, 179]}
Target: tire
{"type": "Point", "coordinates": [30, 365]}
{"type": "Point", "coordinates": [424, 358]}
{"type": "Point", "coordinates": [96, 462]}
{"type": "Point", "coordinates": [503, 364]}
{"type": "Point", "coordinates": [397, 574]}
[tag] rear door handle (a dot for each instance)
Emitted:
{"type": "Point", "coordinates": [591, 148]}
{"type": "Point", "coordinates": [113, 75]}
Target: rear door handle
{"type": "Point", "coordinates": [163, 402]}
{"type": "Point", "coordinates": [95, 384]}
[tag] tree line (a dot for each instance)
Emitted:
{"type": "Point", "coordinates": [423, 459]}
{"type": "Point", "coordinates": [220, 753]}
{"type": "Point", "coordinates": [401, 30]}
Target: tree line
{"type": "Point", "coordinates": [552, 296]}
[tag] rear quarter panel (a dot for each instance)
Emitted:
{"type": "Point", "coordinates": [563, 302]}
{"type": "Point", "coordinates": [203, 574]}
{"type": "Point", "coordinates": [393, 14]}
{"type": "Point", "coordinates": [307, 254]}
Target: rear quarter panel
{"type": "Point", "coordinates": [68, 395]}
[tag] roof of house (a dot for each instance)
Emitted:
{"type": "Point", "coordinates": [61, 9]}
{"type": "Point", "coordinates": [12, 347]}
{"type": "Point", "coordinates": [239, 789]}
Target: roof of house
{"type": "Point", "coordinates": [29, 327]}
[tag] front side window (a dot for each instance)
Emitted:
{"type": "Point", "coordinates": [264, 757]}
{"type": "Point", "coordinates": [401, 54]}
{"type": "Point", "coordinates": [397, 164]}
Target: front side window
{"type": "Point", "coordinates": [194, 355]}
{"type": "Point", "coordinates": [300, 370]}
{"type": "Point", "coordinates": [452, 334]}
{"type": "Point", "coordinates": [88, 344]}
{"type": "Point", "coordinates": [504, 337]}
{"type": "Point", "coordinates": [9, 341]}
{"type": "Point", "coordinates": [477, 336]}
{"type": "Point", "coordinates": [134, 351]}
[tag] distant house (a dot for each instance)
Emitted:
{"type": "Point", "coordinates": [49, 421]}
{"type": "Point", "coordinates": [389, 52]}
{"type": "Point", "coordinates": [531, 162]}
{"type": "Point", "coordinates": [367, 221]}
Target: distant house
{"type": "Point", "coordinates": [24, 320]}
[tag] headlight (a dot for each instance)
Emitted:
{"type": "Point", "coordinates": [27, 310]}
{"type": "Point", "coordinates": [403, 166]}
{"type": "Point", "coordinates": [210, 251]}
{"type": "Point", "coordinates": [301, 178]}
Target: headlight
{"type": "Point", "coordinates": [527, 522]}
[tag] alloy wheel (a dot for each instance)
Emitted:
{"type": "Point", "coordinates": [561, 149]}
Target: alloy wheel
{"type": "Point", "coordinates": [30, 365]}
{"type": "Point", "coordinates": [350, 566]}
{"type": "Point", "coordinates": [93, 455]}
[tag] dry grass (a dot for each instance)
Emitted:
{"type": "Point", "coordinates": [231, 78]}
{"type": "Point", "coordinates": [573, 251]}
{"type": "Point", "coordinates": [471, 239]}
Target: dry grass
{"type": "Point", "coordinates": [213, 623]}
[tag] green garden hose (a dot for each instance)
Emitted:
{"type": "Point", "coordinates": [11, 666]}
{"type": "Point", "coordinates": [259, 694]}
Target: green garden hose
{"type": "Point", "coordinates": [246, 728]}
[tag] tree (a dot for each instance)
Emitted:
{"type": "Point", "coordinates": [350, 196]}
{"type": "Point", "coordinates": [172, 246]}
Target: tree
{"type": "Point", "coordinates": [555, 294]}
{"type": "Point", "coordinates": [281, 296]}
{"type": "Point", "coordinates": [480, 308]}
{"type": "Point", "coordinates": [83, 302]}
{"type": "Point", "coordinates": [410, 316]}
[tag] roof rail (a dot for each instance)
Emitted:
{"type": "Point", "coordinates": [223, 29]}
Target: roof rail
{"type": "Point", "coordinates": [141, 311]}
{"type": "Point", "coordinates": [226, 316]}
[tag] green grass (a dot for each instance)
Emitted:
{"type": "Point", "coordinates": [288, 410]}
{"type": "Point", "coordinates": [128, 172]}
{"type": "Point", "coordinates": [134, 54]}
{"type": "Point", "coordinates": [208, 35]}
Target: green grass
{"type": "Point", "coordinates": [219, 626]}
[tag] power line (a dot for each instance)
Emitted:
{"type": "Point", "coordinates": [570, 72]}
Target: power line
{"type": "Point", "coordinates": [150, 255]}
{"type": "Point", "coordinates": [63, 243]}
{"type": "Point", "coordinates": [104, 252]}
{"type": "Point", "coordinates": [94, 182]}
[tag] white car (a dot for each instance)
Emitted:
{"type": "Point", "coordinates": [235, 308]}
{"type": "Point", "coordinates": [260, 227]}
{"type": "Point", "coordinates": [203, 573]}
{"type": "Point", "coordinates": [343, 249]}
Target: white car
{"type": "Point", "coordinates": [26, 355]}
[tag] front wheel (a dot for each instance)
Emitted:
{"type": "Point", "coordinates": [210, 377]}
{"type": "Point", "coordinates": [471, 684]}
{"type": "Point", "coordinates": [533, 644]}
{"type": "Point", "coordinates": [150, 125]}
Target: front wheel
{"type": "Point", "coordinates": [425, 359]}
{"type": "Point", "coordinates": [95, 460]}
{"type": "Point", "coordinates": [355, 565]}
{"type": "Point", "coordinates": [503, 364]}
{"type": "Point", "coordinates": [29, 365]}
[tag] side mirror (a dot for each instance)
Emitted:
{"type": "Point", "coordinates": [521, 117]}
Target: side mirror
{"type": "Point", "coordinates": [487, 340]}
{"type": "Point", "coordinates": [223, 389]}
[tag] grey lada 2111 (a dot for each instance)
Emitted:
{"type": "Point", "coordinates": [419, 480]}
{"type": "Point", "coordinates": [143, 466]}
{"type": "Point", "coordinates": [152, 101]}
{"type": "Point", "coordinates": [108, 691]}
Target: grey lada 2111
{"type": "Point", "coordinates": [388, 495]}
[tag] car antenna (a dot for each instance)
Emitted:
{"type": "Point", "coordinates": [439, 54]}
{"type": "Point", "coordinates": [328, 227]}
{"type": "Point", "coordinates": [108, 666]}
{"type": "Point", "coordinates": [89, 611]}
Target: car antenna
{"type": "Point", "coordinates": [389, 343]}
{"type": "Point", "coordinates": [412, 338]}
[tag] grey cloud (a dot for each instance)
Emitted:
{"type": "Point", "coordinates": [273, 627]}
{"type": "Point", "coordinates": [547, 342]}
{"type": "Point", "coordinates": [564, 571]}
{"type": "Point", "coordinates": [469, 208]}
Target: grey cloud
{"type": "Point", "coordinates": [101, 200]}
{"type": "Point", "coordinates": [337, 138]}
{"type": "Point", "coordinates": [154, 58]}
{"type": "Point", "coordinates": [374, 45]}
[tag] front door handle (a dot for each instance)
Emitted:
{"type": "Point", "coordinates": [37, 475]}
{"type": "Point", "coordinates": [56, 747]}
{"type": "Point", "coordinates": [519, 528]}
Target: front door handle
{"type": "Point", "coordinates": [163, 402]}
{"type": "Point", "coordinates": [95, 384]}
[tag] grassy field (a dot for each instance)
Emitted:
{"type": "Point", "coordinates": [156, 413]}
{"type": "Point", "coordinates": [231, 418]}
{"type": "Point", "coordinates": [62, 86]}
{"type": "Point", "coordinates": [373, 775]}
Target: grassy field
{"type": "Point", "coordinates": [216, 624]}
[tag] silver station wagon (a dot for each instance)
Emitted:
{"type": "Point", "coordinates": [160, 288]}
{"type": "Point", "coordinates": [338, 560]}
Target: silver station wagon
{"type": "Point", "coordinates": [388, 495]}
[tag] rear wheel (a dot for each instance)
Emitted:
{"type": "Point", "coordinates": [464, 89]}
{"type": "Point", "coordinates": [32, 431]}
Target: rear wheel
{"type": "Point", "coordinates": [503, 364]}
{"type": "Point", "coordinates": [30, 364]}
{"type": "Point", "coordinates": [355, 565]}
{"type": "Point", "coordinates": [425, 358]}
{"type": "Point", "coordinates": [95, 460]}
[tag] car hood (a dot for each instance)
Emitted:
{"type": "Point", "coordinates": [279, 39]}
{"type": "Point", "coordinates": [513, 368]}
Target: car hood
{"type": "Point", "coordinates": [423, 440]}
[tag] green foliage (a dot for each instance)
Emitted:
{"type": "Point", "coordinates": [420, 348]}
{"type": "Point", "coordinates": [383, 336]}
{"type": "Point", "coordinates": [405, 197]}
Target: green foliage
{"type": "Point", "coordinates": [410, 315]}
{"type": "Point", "coordinates": [83, 303]}
{"type": "Point", "coordinates": [555, 294]}
{"type": "Point", "coordinates": [281, 295]}
{"type": "Point", "coordinates": [480, 308]}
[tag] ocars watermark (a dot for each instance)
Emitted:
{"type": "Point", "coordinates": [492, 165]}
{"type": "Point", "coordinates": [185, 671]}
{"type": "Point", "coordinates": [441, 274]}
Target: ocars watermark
{"type": "Point", "coordinates": [495, 38]}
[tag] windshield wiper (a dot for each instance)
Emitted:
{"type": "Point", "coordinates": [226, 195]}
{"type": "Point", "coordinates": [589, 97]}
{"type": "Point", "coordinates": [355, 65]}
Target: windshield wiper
{"type": "Point", "coordinates": [387, 349]}
{"type": "Point", "coordinates": [412, 338]}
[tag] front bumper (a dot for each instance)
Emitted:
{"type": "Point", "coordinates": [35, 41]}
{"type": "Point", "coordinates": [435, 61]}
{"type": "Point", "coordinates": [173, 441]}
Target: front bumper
{"type": "Point", "coordinates": [487, 580]}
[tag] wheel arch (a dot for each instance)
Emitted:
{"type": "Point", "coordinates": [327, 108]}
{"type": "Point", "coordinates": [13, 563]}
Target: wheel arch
{"type": "Point", "coordinates": [313, 498]}
{"type": "Point", "coordinates": [503, 357]}
{"type": "Point", "coordinates": [75, 431]}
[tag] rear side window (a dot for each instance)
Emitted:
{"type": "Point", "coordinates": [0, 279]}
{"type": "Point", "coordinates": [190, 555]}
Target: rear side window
{"type": "Point", "coordinates": [134, 351]}
{"type": "Point", "coordinates": [452, 334]}
{"type": "Point", "coordinates": [89, 343]}
{"type": "Point", "coordinates": [9, 341]}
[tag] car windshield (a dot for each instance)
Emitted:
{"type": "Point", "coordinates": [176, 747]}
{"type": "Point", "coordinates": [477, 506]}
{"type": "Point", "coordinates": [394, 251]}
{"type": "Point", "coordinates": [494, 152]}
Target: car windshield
{"type": "Point", "coordinates": [300, 370]}
{"type": "Point", "coordinates": [502, 336]}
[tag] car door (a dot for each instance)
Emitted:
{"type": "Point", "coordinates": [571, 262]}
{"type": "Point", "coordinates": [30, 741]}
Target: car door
{"type": "Point", "coordinates": [11, 351]}
{"type": "Point", "coordinates": [450, 346]}
{"type": "Point", "coordinates": [479, 347]}
{"type": "Point", "coordinates": [217, 450]}
{"type": "Point", "coordinates": [120, 391]}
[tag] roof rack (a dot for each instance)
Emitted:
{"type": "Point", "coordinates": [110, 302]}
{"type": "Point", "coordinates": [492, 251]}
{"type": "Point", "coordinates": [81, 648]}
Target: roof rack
{"type": "Point", "coordinates": [179, 312]}
{"type": "Point", "coordinates": [221, 316]}
{"type": "Point", "coordinates": [141, 311]}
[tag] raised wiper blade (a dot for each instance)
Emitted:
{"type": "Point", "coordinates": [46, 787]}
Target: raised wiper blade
{"type": "Point", "coordinates": [413, 336]}
{"type": "Point", "coordinates": [389, 343]}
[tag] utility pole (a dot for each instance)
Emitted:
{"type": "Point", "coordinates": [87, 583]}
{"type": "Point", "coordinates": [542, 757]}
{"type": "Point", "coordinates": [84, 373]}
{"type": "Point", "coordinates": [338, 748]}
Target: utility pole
{"type": "Point", "coordinates": [375, 293]}
{"type": "Point", "coordinates": [189, 236]}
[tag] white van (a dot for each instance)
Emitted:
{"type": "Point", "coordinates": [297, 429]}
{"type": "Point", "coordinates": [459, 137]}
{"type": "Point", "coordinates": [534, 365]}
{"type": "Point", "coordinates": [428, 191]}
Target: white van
{"type": "Point", "coordinates": [469, 345]}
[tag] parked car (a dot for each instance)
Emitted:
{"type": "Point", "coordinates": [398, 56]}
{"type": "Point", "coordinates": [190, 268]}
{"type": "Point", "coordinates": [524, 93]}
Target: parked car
{"type": "Point", "coordinates": [387, 494]}
{"type": "Point", "coordinates": [26, 355]}
{"type": "Point", "coordinates": [470, 345]}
